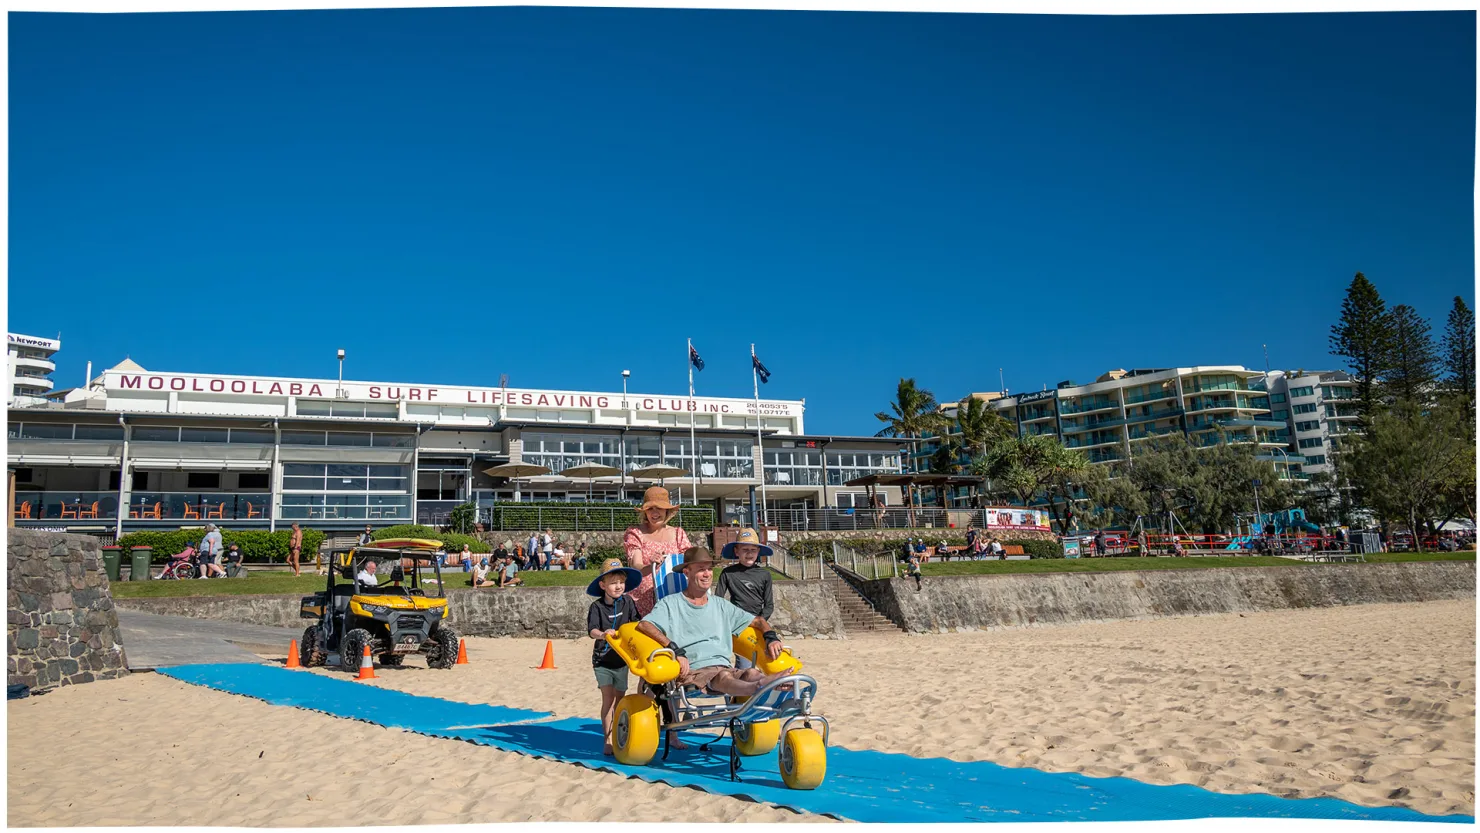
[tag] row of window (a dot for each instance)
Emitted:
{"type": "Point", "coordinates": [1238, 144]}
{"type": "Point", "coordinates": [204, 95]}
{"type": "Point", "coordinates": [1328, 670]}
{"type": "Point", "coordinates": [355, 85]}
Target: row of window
{"type": "Point", "coordinates": [176, 434]}
{"type": "Point", "coordinates": [1308, 426]}
{"type": "Point", "coordinates": [1307, 409]}
{"type": "Point", "coordinates": [332, 407]}
{"type": "Point", "coordinates": [1313, 442]}
{"type": "Point", "coordinates": [345, 477]}
{"type": "Point", "coordinates": [1315, 459]}
{"type": "Point", "coordinates": [1305, 391]}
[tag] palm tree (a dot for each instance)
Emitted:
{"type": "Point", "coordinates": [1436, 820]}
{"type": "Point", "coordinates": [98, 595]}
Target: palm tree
{"type": "Point", "coordinates": [915, 415]}
{"type": "Point", "coordinates": [980, 428]}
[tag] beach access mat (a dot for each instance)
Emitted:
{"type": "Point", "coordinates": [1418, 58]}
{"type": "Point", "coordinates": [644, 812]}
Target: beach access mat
{"type": "Point", "coordinates": [861, 785]}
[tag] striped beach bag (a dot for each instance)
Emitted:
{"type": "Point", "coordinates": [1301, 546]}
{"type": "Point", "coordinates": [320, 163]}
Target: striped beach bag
{"type": "Point", "coordinates": [667, 578]}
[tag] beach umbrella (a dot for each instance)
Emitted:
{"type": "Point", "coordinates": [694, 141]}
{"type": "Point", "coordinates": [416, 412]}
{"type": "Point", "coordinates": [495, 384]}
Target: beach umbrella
{"type": "Point", "coordinates": [514, 471]}
{"type": "Point", "coordinates": [659, 472]}
{"type": "Point", "coordinates": [589, 472]}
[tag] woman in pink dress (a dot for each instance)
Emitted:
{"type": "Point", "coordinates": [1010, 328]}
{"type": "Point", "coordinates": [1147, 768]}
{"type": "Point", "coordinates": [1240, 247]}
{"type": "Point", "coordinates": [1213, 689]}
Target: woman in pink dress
{"type": "Point", "coordinates": [650, 542]}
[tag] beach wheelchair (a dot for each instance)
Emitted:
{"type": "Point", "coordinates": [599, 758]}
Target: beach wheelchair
{"type": "Point", "coordinates": [777, 714]}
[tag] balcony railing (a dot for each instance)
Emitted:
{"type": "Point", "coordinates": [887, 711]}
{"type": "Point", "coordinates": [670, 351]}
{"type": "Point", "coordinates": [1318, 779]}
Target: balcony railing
{"type": "Point", "coordinates": [199, 507]}
{"type": "Point", "coordinates": [575, 517]}
{"type": "Point", "coordinates": [66, 506]}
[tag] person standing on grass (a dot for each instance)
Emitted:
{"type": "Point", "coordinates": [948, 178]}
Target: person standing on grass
{"type": "Point", "coordinates": [295, 548]}
{"type": "Point", "coordinates": [547, 544]}
{"type": "Point", "coordinates": [532, 552]}
{"type": "Point", "coordinates": [210, 553]}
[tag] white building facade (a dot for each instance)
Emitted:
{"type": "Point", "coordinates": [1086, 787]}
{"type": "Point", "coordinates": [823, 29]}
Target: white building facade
{"type": "Point", "coordinates": [28, 368]}
{"type": "Point", "coordinates": [141, 449]}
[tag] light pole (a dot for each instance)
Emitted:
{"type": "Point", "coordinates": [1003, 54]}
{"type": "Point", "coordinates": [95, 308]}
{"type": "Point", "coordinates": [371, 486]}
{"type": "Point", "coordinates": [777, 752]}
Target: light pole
{"type": "Point", "coordinates": [625, 418]}
{"type": "Point", "coordinates": [340, 391]}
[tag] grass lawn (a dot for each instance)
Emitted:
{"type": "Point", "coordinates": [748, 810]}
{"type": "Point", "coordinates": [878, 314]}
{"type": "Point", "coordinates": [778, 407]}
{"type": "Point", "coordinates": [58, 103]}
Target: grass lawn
{"type": "Point", "coordinates": [1096, 565]}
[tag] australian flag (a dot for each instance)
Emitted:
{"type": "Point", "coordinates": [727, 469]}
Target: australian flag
{"type": "Point", "coordinates": [760, 369]}
{"type": "Point", "coordinates": [694, 359]}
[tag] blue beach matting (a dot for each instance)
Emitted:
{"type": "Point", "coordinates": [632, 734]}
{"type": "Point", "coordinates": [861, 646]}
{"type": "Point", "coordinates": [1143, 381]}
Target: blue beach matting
{"type": "Point", "coordinates": [861, 785]}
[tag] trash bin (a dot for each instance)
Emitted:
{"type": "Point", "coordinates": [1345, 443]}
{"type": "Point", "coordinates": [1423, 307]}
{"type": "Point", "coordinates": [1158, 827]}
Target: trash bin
{"type": "Point", "coordinates": [139, 563]}
{"type": "Point", "coordinates": [112, 560]}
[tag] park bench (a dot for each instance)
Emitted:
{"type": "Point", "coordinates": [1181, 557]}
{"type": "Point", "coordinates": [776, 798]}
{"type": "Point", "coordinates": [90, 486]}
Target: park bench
{"type": "Point", "coordinates": [1014, 552]}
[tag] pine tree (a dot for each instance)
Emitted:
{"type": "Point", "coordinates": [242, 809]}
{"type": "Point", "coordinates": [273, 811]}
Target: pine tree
{"type": "Point", "coordinates": [1364, 338]}
{"type": "Point", "coordinates": [1413, 365]}
{"type": "Point", "coordinates": [1459, 349]}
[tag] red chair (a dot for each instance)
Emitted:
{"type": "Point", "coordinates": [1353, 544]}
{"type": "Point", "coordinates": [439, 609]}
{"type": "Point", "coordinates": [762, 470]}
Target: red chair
{"type": "Point", "coordinates": [252, 513]}
{"type": "Point", "coordinates": [191, 513]}
{"type": "Point", "coordinates": [25, 510]}
{"type": "Point", "coordinates": [88, 513]}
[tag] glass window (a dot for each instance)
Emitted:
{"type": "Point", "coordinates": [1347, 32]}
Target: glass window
{"type": "Point", "coordinates": [1306, 409]}
{"type": "Point", "coordinates": [382, 411]}
{"type": "Point", "coordinates": [315, 407]}
{"type": "Point", "coordinates": [1280, 414]}
{"type": "Point", "coordinates": [45, 431]}
{"type": "Point", "coordinates": [1307, 426]}
{"type": "Point", "coordinates": [393, 440]}
{"type": "Point", "coordinates": [1305, 391]}
{"type": "Point", "coordinates": [1313, 442]}
{"type": "Point", "coordinates": [349, 438]}
{"type": "Point", "coordinates": [303, 438]}
{"type": "Point", "coordinates": [1315, 459]}
{"type": "Point", "coordinates": [99, 432]}
{"type": "Point", "coordinates": [154, 433]}
{"type": "Point", "coordinates": [1277, 398]}
{"type": "Point", "coordinates": [257, 436]}
{"type": "Point", "coordinates": [203, 435]}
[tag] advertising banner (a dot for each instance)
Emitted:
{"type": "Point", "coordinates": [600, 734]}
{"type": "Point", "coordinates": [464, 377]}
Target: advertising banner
{"type": "Point", "coordinates": [1015, 518]}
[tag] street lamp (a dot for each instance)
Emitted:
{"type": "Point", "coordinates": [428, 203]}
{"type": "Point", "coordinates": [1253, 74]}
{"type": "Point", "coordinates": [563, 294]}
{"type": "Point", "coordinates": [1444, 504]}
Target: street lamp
{"type": "Point", "coordinates": [341, 373]}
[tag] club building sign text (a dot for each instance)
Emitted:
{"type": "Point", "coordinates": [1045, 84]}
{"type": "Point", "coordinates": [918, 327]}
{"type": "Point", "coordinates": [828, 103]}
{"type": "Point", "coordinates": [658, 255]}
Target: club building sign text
{"type": "Point", "coordinates": [438, 394]}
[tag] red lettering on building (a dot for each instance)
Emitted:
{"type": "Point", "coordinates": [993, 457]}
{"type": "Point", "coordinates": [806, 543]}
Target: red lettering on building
{"type": "Point", "coordinates": [238, 386]}
{"type": "Point", "coordinates": [295, 389]}
{"type": "Point", "coordinates": [180, 386]}
{"type": "Point", "coordinates": [413, 393]}
{"type": "Point", "coordinates": [315, 391]}
{"type": "Point", "coordinates": [153, 386]}
{"type": "Point", "coordinates": [218, 385]}
{"type": "Point", "coordinates": [123, 382]}
{"type": "Point", "coordinates": [544, 400]}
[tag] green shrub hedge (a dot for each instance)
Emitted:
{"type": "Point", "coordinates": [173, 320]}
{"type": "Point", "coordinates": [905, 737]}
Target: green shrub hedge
{"type": "Point", "coordinates": [451, 540]}
{"type": "Point", "coordinates": [255, 544]}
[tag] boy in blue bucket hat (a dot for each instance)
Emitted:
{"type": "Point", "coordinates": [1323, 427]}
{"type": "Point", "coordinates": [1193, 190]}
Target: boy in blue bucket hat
{"type": "Point", "coordinates": [612, 609]}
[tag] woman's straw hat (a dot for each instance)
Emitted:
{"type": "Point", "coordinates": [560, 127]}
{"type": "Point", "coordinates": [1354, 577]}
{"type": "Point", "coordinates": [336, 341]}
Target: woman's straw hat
{"type": "Point", "coordinates": [657, 497]}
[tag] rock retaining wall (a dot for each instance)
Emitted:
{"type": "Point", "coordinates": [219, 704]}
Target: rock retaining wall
{"type": "Point", "coordinates": [946, 603]}
{"type": "Point", "coordinates": [803, 608]}
{"type": "Point", "coordinates": [61, 625]}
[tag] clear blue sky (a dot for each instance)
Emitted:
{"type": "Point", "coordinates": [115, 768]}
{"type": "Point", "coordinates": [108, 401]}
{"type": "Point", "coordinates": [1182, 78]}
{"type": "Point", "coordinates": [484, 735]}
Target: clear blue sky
{"type": "Point", "coordinates": [558, 194]}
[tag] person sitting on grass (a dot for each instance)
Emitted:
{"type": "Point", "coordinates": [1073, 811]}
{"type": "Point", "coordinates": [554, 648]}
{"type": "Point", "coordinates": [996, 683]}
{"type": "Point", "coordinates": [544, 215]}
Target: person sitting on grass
{"type": "Point", "coordinates": [508, 576]}
{"type": "Point", "coordinates": [612, 609]}
{"type": "Point", "coordinates": [698, 628]}
{"type": "Point", "coordinates": [914, 570]}
{"type": "Point", "coordinates": [480, 575]}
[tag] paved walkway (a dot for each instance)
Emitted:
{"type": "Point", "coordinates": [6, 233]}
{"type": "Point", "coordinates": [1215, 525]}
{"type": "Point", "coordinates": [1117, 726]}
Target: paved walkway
{"type": "Point", "coordinates": [151, 641]}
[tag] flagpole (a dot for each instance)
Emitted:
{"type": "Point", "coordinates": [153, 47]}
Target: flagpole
{"type": "Point", "coordinates": [693, 447]}
{"type": "Point", "coordinates": [759, 443]}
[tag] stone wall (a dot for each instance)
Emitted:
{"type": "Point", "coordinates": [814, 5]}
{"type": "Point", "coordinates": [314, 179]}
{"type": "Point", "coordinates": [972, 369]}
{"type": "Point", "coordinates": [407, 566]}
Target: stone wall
{"type": "Point", "coordinates": [803, 608]}
{"type": "Point", "coordinates": [948, 603]}
{"type": "Point", "coordinates": [61, 625]}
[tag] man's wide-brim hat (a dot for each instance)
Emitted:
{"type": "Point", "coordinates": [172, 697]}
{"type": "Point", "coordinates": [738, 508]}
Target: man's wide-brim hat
{"type": "Point", "coordinates": [696, 557]}
{"type": "Point", "coordinates": [657, 497]}
{"type": "Point", "coordinates": [614, 565]}
{"type": "Point", "coordinates": [746, 536]}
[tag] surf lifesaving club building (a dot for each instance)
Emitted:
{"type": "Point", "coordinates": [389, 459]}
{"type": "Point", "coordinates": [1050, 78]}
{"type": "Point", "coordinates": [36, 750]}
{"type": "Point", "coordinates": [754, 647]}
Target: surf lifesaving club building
{"type": "Point", "coordinates": [138, 449]}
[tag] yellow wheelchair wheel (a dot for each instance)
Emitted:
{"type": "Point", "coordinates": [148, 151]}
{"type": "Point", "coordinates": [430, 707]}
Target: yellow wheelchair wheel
{"type": "Point", "coordinates": [757, 738]}
{"type": "Point", "coordinates": [635, 730]}
{"type": "Point", "coordinates": [803, 759]}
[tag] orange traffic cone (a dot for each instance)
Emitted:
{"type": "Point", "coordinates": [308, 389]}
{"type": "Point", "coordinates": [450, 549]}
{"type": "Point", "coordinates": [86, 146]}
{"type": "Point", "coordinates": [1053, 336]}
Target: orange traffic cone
{"type": "Point", "coordinates": [549, 661]}
{"type": "Point", "coordinates": [462, 652]}
{"type": "Point", "coordinates": [367, 667]}
{"type": "Point", "coordinates": [293, 655]}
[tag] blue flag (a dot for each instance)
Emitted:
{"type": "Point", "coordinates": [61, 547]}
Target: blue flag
{"type": "Point", "coordinates": [760, 369]}
{"type": "Point", "coordinates": [694, 358]}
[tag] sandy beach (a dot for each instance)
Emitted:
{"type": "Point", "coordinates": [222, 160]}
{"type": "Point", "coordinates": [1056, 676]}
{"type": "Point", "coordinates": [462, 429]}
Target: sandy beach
{"type": "Point", "coordinates": [1373, 704]}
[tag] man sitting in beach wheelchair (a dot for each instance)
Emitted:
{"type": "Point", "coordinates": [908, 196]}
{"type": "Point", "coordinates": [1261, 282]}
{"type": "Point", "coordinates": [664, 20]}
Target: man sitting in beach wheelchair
{"type": "Point", "coordinates": [683, 651]}
{"type": "Point", "coordinates": [378, 597]}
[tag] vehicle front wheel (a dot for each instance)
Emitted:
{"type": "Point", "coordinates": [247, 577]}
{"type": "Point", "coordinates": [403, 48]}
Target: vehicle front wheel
{"type": "Point", "coordinates": [311, 652]}
{"type": "Point", "coordinates": [635, 730]}
{"type": "Point", "coordinates": [352, 649]}
{"type": "Point", "coordinates": [803, 759]}
{"type": "Point", "coordinates": [442, 652]}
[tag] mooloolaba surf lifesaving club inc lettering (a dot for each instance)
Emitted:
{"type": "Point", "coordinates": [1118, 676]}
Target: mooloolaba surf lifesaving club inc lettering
{"type": "Point", "coordinates": [139, 449]}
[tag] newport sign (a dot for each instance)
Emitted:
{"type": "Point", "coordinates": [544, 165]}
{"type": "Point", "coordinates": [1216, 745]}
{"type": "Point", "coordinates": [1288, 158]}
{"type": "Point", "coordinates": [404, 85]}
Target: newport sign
{"type": "Point", "coordinates": [227, 386]}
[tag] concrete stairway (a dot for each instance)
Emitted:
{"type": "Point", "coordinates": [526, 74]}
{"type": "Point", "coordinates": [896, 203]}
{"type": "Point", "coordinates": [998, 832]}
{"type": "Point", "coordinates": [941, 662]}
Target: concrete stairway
{"type": "Point", "coordinates": [858, 615]}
